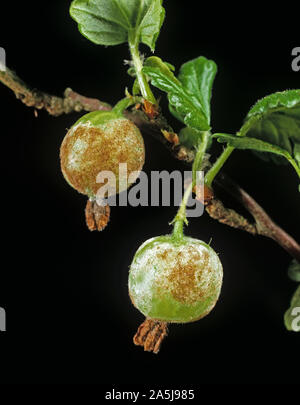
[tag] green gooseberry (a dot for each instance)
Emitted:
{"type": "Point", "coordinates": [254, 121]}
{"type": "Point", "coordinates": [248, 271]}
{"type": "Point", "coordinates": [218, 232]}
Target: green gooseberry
{"type": "Point", "coordinates": [98, 142]}
{"type": "Point", "coordinates": [176, 280]}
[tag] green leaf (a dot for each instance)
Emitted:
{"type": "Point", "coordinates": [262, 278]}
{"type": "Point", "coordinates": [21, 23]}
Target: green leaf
{"type": "Point", "coordinates": [184, 104]}
{"type": "Point", "coordinates": [275, 119]}
{"type": "Point", "coordinates": [294, 270]}
{"type": "Point", "coordinates": [190, 137]}
{"type": "Point", "coordinates": [297, 153]}
{"type": "Point", "coordinates": [110, 22]}
{"type": "Point", "coordinates": [240, 142]}
{"type": "Point", "coordinates": [197, 77]}
{"type": "Point", "coordinates": [189, 95]}
{"type": "Point", "coordinates": [131, 71]}
{"type": "Point", "coordinates": [164, 67]}
{"type": "Point", "coordinates": [152, 21]}
{"type": "Point", "coordinates": [170, 66]}
{"type": "Point", "coordinates": [292, 315]}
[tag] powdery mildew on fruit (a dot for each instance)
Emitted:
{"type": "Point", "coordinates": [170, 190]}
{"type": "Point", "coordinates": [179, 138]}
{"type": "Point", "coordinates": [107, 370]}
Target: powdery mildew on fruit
{"type": "Point", "coordinates": [88, 150]}
{"type": "Point", "coordinates": [185, 271]}
{"type": "Point", "coordinates": [75, 155]}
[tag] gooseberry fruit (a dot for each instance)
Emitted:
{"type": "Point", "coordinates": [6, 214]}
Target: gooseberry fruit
{"type": "Point", "coordinates": [175, 280]}
{"type": "Point", "coordinates": [98, 142]}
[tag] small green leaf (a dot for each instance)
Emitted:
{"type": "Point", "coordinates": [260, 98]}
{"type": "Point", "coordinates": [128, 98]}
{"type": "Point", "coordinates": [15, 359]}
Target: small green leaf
{"type": "Point", "coordinates": [189, 95]}
{"type": "Point", "coordinates": [152, 21]}
{"type": "Point", "coordinates": [292, 315]}
{"type": "Point", "coordinates": [110, 22]}
{"type": "Point", "coordinates": [164, 67]}
{"type": "Point", "coordinates": [241, 142]}
{"type": "Point", "coordinates": [184, 104]}
{"type": "Point", "coordinates": [275, 119]}
{"type": "Point", "coordinates": [197, 77]}
{"type": "Point", "coordinates": [131, 71]}
{"type": "Point", "coordinates": [167, 70]}
{"type": "Point", "coordinates": [294, 270]}
{"type": "Point", "coordinates": [190, 137]}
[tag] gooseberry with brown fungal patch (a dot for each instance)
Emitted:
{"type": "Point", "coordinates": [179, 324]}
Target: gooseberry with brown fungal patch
{"type": "Point", "coordinates": [100, 141]}
{"type": "Point", "coordinates": [175, 280]}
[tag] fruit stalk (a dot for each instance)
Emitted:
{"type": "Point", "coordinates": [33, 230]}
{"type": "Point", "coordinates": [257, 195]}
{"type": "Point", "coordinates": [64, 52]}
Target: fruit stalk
{"type": "Point", "coordinates": [180, 217]}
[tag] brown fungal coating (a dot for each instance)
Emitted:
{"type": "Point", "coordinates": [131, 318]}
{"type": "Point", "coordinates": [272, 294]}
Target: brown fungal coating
{"type": "Point", "coordinates": [89, 149]}
{"type": "Point", "coordinates": [183, 277]}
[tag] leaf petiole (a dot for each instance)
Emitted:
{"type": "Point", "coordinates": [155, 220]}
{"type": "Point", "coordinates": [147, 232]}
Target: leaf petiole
{"type": "Point", "coordinates": [217, 166]}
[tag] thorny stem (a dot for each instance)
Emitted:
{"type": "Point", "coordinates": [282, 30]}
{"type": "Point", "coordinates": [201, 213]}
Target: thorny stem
{"type": "Point", "coordinates": [264, 225]}
{"type": "Point", "coordinates": [52, 104]}
{"type": "Point", "coordinates": [144, 85]}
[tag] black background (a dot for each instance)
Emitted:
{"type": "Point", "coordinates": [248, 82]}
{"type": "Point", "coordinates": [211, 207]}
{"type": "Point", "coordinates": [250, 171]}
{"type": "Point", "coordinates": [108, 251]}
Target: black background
{"type": "Point", "coordinates": [69, 318]}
